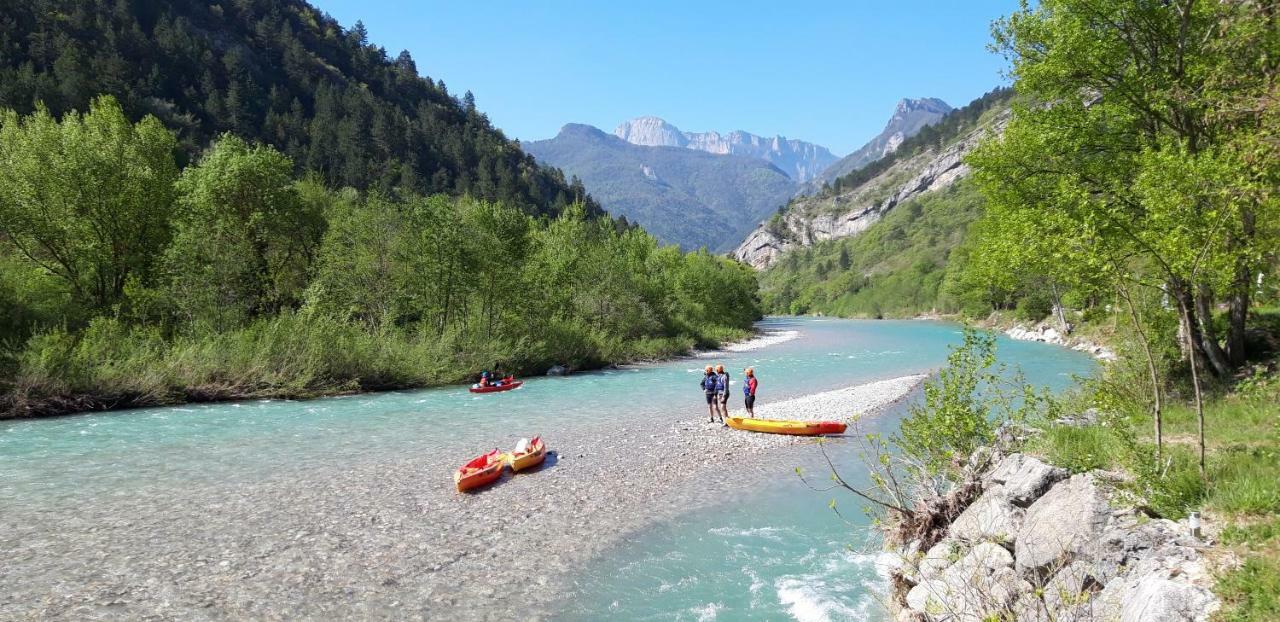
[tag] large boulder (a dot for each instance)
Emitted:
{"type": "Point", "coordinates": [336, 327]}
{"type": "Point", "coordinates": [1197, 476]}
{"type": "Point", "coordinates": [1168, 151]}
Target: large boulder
{"type": "Point", "coordinates": [979, 585]}
{"type": "Point", "coordinates": [940, 557]}
{"type": "Point", "coordinates": [991, 517]}
{"type": "Point", "coordinates": [1059, 525]}
{"type": "Point", "coordinates": [1161, 599]}
{"type": "Point", "coordinates": [1024, 478]}
{"type": "Point", "coordinates": [1074, 585]}
{"type": "Point", "coordinates": [1161, 588]}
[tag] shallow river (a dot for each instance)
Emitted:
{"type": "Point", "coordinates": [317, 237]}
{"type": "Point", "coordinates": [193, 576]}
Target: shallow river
{"type": "Point", "coordinates": [770, 548]}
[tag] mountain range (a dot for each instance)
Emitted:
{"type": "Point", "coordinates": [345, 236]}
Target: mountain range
{"type": "Point", "coordinates": [684, 196]}
{"type": "Point", "coordinates": [800, 160]}
{"type": "Point", "coordinates": [704, 188]}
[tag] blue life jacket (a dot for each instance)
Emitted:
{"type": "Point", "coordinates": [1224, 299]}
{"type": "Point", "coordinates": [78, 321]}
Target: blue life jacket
{"type": "Point", "coordinates": [722, 383]}
{"type": "Point", "coordinates": [708, 383]}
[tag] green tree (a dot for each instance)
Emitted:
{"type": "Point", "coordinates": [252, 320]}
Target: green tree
{"type": "Point", "coordinates": [1125, 148]}
{"type": "Point", "coordinates": [87, 198]}
{"type": "Point", "coordinates": [243, 238]}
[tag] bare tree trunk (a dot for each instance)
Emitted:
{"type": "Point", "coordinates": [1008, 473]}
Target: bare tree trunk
{"type": "Point", "coordinates": [1208, 334]}
{"type": "Point", "coordinates": [1058, 312]}
{"type": "Point", "coordinates": [1195, 383]}
{"type": "Point", "coordinates": [1238, 314]}
{"type": "Point", "coordinates": [1156, 406]}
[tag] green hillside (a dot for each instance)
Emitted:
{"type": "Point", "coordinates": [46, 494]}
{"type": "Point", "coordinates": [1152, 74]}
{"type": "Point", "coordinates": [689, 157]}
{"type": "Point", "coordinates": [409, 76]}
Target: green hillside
{"type": "Point", "coordinates": [278, 71]}
{"type": "Point", "coordinates": [900, 266]}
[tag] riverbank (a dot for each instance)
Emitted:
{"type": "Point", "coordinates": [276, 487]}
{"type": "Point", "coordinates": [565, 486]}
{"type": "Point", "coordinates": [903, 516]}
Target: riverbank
{"type": "Point", "coordinates": [387, 538]}
{"type": "Point", "coordinates": [287, 358]}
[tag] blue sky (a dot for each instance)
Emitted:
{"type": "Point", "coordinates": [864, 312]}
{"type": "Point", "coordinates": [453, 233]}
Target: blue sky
{"type": "Point", "coordinates": [826, 72]}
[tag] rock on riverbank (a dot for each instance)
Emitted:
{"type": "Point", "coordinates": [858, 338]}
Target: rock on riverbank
{"type": "Point", "coordinates": [1048, 334]}
{"type": "Point", "coordinates": [1040, 545]}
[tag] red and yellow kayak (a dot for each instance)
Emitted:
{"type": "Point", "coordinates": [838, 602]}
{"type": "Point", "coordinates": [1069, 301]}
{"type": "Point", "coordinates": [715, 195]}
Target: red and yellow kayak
{"type": "Point", "coordinates": [784, 426]}
{"type": "Point", "coordinates": [532, 455]}
{"type": "Point", "coordinates": [507, 385]}
{"type": "Point", "coordinates": [480, 471]}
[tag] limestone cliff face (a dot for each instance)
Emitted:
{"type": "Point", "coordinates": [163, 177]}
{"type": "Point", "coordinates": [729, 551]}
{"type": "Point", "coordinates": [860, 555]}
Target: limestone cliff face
{"type": "Point", "coordinates": [801, 161]}
{"type": "Point", "coordinates": [909, 116]}
{"type": "Point", "coordinates": [812, 219]}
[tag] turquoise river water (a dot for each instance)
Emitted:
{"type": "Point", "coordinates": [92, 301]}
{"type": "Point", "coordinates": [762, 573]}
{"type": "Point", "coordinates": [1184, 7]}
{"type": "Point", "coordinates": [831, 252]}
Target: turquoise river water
{"type": "Point", "coordinates": [771, 550]}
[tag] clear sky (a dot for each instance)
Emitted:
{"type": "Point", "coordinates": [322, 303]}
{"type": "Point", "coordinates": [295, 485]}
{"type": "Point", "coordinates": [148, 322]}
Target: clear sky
{"type": "Point", "coordinates": [826, 72]}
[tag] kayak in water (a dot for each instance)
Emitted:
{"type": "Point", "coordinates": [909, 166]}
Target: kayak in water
{"type": "Point", "coordinates": [506, 384]}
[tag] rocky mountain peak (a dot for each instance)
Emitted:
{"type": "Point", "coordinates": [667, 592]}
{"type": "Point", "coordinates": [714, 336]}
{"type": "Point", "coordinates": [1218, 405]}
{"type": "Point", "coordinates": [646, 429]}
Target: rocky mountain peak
{"type": "Point", "coordinates": [800, 160]}
{"type": "Point", "coordinates": [909, 116]}
{"type": "Point", "coordinates": [926, 104]}
{"type": "Point", "coordinates": [650, 131]}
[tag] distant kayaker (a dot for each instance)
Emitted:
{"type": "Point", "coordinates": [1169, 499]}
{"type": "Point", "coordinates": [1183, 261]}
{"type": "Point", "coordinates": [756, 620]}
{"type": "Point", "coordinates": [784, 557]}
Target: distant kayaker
{"type": "Point", "coordinates": [484, 379]}
{"type": "Point", "coordinates": [749, 390]}
{"type": "Point", "coordinates": [722, 391]}
{"type": "Point", "coordinates": [708, 385]}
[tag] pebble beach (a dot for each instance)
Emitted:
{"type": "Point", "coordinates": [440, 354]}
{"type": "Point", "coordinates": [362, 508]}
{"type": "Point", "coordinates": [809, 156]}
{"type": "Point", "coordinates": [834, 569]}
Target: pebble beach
{"type": "Point", "coordinates": [391, 538]}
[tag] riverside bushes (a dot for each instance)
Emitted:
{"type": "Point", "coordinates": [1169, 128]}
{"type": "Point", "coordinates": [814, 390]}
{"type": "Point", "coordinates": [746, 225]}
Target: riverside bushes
{"type": "Point", "coordinates": [247, 281]}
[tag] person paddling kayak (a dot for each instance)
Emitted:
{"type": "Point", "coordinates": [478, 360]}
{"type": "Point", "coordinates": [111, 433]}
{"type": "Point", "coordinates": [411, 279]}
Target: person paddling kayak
{"type": "Point", "coordinates": [749, 390]}
{"type": "Point", "coordinates": [708, 385]}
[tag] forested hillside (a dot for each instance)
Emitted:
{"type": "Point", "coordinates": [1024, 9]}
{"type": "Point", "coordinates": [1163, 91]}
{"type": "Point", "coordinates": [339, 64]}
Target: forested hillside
{"type": "Point", "coordinates": [905, 264]}
{"type": "Point", "coordinates": [271, 208]}
{"type": "Point", "coordinates": [278, 71]}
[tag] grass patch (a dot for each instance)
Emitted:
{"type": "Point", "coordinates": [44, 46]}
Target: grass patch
{"type": "Point", "coordinates": [1252, 592]}
{"type": "Point", "coordinates": [1078, 449]}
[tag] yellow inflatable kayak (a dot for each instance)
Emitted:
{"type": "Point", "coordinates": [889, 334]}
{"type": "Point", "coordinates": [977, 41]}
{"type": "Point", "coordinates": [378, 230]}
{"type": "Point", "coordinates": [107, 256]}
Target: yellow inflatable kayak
{"type": "Point", "coordinates": [784, 426]}
{"type": "Point", "coordinates": [527, 454]}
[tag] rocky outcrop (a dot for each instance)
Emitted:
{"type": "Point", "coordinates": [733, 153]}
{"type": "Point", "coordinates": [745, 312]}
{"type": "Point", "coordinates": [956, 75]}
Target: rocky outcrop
{"type": "Point", "coordinates": [909, 117]}
{"type": "Point", "coordinates": [801, 161]}
{"type": "Point", "coordinates": [1037, 545]}
{"type": "Point", "coordinates": [812, 220]}
{"type": "Point", "coordinates": [1045, 333]}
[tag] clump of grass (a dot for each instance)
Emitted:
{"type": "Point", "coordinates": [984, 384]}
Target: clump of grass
{"type": "Point", "coordinates": [1078, 449]}
{"type": "Point", "coordinates": [1246, 480]}
{"type": "Point", "coordinates": [1252, 591]}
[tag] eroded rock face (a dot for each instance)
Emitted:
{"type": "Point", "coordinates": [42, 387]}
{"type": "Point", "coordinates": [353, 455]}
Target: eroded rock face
{"type": "Point", "coordinates": [1068, 518]}
{"type": "Point", "coordinates": [850, 213]}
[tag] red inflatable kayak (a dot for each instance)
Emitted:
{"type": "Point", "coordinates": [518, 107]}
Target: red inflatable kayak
{"type": "Point", "coordinates": [507, 385]}
{"type": "Point", "coordinates": [480, 471]}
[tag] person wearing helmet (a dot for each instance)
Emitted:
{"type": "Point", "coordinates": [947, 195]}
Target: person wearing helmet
{"type": "Point", "coordinates": [484, 379]}
{"type": "Point", "coordinates": [708, 385]}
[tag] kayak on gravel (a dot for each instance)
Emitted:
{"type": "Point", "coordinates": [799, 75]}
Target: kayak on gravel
{"type": "Point", "coordinates": [506, 384]}
{"type": "Point", "coordinates": [527, 454]}
{"type": "Point", "coordinates": [480, 471]}
{"type": "Point", "coordinates": [785, 426]}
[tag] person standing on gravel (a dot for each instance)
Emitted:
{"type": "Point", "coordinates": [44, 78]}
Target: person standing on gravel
{"type": "Point", "coordinates": [749, 390]}
{"type": "Point", "coordinates": [708, 385]}
{"type": "Point", "coordinates": [722, 391]}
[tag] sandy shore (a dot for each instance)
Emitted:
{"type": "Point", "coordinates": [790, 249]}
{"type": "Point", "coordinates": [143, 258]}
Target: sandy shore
{"type": "Point", "coordinates": [386, 539]}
